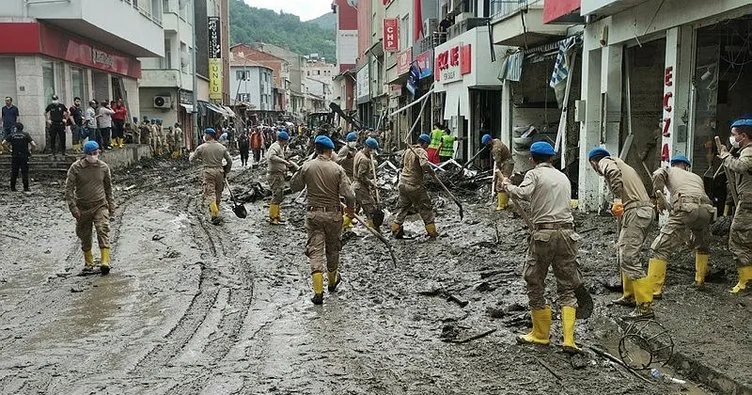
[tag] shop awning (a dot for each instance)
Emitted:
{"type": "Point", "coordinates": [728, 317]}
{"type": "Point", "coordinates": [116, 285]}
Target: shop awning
{"type": "Point", "coordinates": [221, 110]}
{"type": "Point", "coordinates": [229, 112]}
{"type": "Point", "coordinates": [188, 108]}
{"type": "Point", "coordinates": [457, 101]}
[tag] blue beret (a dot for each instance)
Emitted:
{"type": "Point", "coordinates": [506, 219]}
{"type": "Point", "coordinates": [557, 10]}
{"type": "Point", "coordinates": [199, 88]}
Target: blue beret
{"type": "Point", "coordinates": [283, 136]}
{"type": "Point", "coordinates": [210, 131]}
{"type": "Point", "coordinates": [742, 122]}
{"type": "Point", "coordinates": [597, 152]}
{"type": "Point", "coordinates": [680, 159]}
{"type": "Point", "coordinates": [424, 138]}
{"type": "Point", "coordinates": [486, 139]}
{"type": "Point", "coordinates": [351, 137]}
{"type": "Point", "coordinates": [90, 147]}
{"type": "Point", "coordinates": [542, 148]}
{"type": "Point", "coordinates": [372, 143]}
{"type": "Point", "coordinates": [324, 141]}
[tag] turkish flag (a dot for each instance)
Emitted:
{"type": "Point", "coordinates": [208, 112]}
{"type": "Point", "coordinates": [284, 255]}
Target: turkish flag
{"type": "Point", "coordinates": [418, 20]}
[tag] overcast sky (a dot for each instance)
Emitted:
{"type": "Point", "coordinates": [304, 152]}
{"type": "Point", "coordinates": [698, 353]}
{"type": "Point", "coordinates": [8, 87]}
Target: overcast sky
{"type": "Point", "coordinates": [305, 9]}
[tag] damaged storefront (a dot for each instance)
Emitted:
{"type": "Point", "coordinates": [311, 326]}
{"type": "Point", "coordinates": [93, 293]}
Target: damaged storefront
{"type": "Point", "coordinates": [541, 87]}
{"type": "Point", "coordinates": [465, 74]}
{"type": "Point", "coordinates": [665, 91]}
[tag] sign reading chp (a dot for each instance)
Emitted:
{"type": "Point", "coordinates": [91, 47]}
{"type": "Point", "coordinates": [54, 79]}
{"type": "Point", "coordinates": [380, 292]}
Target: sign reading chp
{"type": "Point", "coordinates": [391, 35]}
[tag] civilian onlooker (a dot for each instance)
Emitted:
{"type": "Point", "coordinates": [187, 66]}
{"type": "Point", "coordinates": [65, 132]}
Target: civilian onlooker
{"type": "Point", "coordinates": [105, 123]}
{"type": "Point", "coordinates": [118, 124]}
{"type": "Point", "coordinates": [244, 147]}
{"type": "Point", "coordinates": [91, 130]}
{"type": "Point", "coordinates": [56, 114]}
{"type": "Point", "coordinates": [257, 144]}
{"type": "Point", "coordinates": [10, 116]}
{"type": "Point", "coordinates": [19, 142]}
{"type": "Point", "coordinates": [76, 123]}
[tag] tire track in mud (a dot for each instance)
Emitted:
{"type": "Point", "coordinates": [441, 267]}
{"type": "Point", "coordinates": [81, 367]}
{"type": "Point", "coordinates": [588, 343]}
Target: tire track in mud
{"type": "Point", "coordinates": [217, 275]}
{"type": "Point", "coordinates": [195, 314]}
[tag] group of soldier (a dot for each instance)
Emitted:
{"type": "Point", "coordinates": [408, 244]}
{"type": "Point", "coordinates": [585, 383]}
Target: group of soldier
{"type": "Point", "coordinates": [542, 196]}
{"type": "Point", "coordinates": [168, 140]}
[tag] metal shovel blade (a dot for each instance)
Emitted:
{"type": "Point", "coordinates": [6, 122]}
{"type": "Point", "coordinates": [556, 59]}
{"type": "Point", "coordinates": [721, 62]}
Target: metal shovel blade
{"type": "Point", "coordinates": [240, 211]}
{"type": "Point", "coordinates": [584, 302]}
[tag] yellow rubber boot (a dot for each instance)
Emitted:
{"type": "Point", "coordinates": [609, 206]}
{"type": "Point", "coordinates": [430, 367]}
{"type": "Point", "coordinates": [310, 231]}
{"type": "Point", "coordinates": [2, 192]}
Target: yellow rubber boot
{"type": "Point", "coordinates": [657, 274]}
{"type": "Point", "coordinates": [627, 297]}
{"type": "Point", "coordinates": [397, 231]}
{"type": "Point", "coordinates": [274, 214]}
{"type": "Point", "coordinates": [567, 327]}
{"type": "Point", "coordinates": [334, 280]}
{"type": "Point", "coordinates": [701, 267]}
{"type": "Point", "coordinates": [214, 209]}
{"type": "Point", "coordinates": [318, 288]}
{"type": "Point", "coordinates": [104, 261]}
{"type": "Point", "coordinates": [643, 292]}
{"type": "Point", "coordinates": [431, 230]}
{"type": "Point", "coordinates": [88, 258]}
{"type": "Point", "coordinates": [745, 274]}
{"type": "Point", "coordinates": [346, 222]}
{"type": "Point", "coordinates": [541, 327]}
{"type": "Point", "coordinates": [503, 201]}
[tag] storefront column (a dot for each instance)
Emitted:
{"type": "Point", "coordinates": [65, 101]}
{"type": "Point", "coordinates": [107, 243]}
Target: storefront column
{"type": "Point", "coordinates": [30, 97]}
{"type": "Point", "coordinates": [506, 114]}
{"type": "Point", "coordinates": [590, 184]}
{"type": "Point", "coordinates": [611, 93]}
{"type": "Point", "coordinates": [677, 85]}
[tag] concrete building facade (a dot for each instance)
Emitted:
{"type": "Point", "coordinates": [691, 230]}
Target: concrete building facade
{"type": "Point", "coordinates": [84, 48]}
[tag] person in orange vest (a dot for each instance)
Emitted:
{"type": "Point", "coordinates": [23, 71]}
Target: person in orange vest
{"type": "Point", "coordinates": [257, 144]}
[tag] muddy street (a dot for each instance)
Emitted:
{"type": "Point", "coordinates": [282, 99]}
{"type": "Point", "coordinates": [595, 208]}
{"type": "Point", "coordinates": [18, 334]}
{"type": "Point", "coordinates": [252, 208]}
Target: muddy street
{"type": "Point", "coordinates": [191, 307]}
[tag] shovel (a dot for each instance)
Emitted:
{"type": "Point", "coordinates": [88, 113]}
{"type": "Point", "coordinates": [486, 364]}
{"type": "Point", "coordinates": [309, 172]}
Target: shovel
{"type": "Point", "coordinates": [237, 208]}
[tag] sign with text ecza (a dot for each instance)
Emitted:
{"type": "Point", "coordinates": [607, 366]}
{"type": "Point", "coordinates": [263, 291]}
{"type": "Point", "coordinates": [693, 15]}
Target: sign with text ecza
{"type": "Point", "coordinates": [452, 64]}
{"type": "Point", "coordinates": [215, 58]}
{"type": "Point", "coordinates": [391, 35]}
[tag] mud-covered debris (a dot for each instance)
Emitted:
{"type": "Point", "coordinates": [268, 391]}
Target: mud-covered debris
{"type": "Point", "coordinates": [157, 237]}
{"type": "Point", "coordinates": [496, 313]}
{"type": "Point", "coordinates": [515, 307]}
{"type": "Point", "coordinates": [612, 283]}
{"type": "Point", "coordinates": [722, 226]}
{"type": "Point", "coordinates": [76, 289]}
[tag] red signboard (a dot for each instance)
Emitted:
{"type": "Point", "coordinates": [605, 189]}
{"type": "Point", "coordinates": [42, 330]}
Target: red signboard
{"type": "Point", "coordinates": [453, 63]}
{"type": "Point", "coordinates": [37, 38]}
{"type": "Point", "coordinates": [391, 35]}
{"type": "Point", "coordinates": [404, 60]}
{"type": "Point", "coordinates": [553, 10]}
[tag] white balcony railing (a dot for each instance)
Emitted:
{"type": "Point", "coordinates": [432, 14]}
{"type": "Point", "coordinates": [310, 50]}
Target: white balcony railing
{"type": "Point", "coordinates": [501, 8]}
{"type": "Point", "coordinates": [146, 8]}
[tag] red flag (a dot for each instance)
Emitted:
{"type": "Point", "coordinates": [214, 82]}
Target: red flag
{"type": "Point", "coordinates": [418, 20]}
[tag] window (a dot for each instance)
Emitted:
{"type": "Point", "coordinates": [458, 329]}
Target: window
{"type": "Point", "coordinates": [48, 79]}
{"type": "Point", "coordinates": [166, 5]}
{"type": "Point", "coordinates": [404, 37]}
{"type": "Point", "coordinates": [242, 75]}
{"type": "Point", "coordinates": [167, 60]}
{"type": "Point", "coordinates": [77, 83]}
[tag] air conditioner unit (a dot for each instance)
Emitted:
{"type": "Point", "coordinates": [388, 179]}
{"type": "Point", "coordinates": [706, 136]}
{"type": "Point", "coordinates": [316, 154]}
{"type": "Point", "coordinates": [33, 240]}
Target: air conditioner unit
{"type": "Point", "coordinates": [162, 102]}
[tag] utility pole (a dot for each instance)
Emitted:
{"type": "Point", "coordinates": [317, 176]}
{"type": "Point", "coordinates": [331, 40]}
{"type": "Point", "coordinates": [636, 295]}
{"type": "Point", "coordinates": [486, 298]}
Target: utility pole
{"type": "Point", "coordinates": [194, 113]}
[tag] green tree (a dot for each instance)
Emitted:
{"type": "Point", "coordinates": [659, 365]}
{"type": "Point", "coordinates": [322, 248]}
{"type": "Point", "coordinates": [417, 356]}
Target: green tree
{"type": "Point", "coordinates": [249, 24]}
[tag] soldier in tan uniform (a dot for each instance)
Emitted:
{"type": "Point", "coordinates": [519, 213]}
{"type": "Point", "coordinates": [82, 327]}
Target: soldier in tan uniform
{"type": "Point", "coordinates": [178, 133]}
{"type": "Point", "coordinates": [689, 220]}
{"type": "Point", "coordinates": [412, 192]}
{"type": "Point", "coordinates": [363, 183]}
{"type": "Point", "coordinates": [88, 192]}
{"type": "Point", "coordinates": [211, 153]}
{"type": "Point", "coordinates": [326, 182]}
{"type": "Point", "coordinates": [502, 157]}
{"type": "Point", "coordinates": [277, 166]}
{"type": "Point", "coordinates": [740, 238]}
{"type": "Point", "coordinates": [553, 243]}
{"type": "Point", "coordinates": [345, 158]}
{"type": "Point", "coordinates": [633, 208]}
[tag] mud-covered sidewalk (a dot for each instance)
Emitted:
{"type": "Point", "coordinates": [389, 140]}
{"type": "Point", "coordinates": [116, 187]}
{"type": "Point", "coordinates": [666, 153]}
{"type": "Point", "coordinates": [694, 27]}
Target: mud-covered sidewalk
{"type": "Point", "coordinates": [194, 308]}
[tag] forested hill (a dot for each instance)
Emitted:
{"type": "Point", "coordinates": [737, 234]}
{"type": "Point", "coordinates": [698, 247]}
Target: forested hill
{"type": "Point", "coordinates": [249, 24]}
